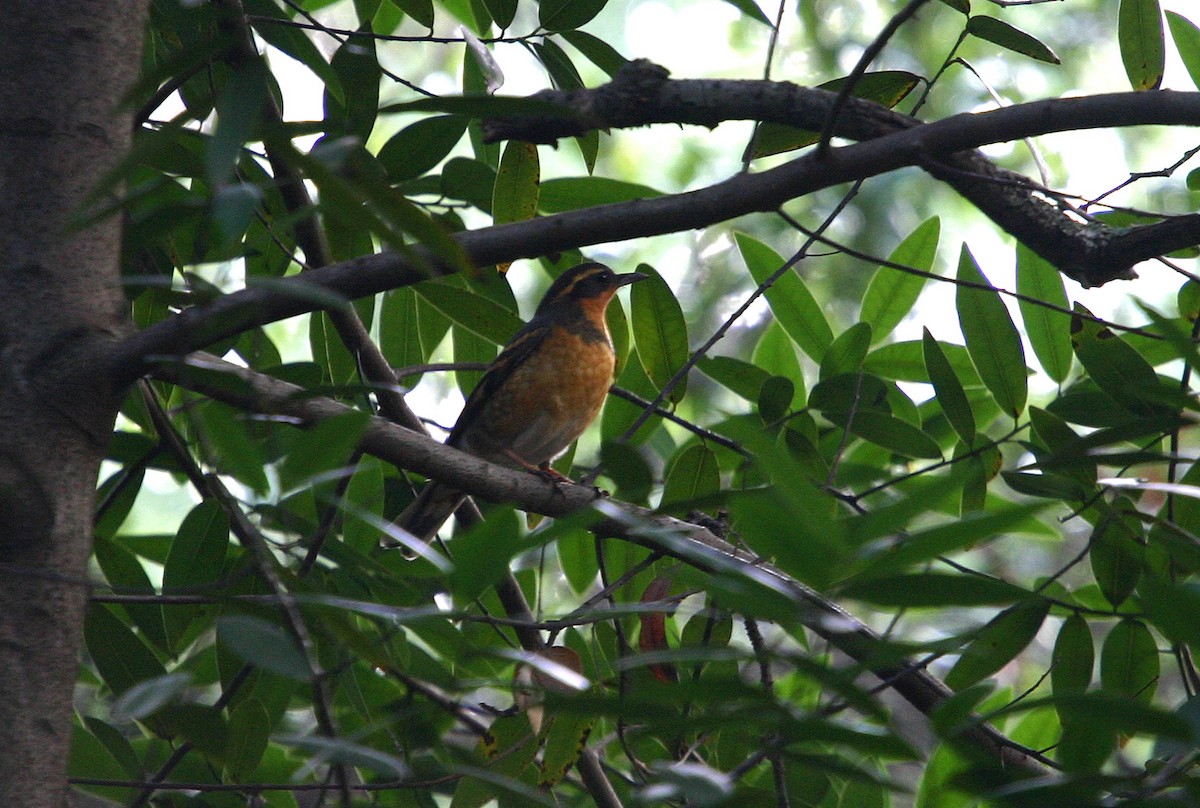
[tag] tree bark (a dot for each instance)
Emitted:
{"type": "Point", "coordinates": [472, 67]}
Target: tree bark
{"type": "Point", "coordinates": [65, 67]}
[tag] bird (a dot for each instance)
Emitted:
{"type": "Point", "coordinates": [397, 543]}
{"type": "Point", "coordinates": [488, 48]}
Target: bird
{"type": "Point", "coordinates": [539, 394]}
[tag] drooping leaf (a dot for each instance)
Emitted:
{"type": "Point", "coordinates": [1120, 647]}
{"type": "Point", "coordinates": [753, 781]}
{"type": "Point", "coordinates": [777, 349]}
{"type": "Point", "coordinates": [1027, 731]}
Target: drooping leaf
{"type": "Point", "coordinates": [892, 292]}
{"type": "Point", "coordinates": [1143, 48]}
{"type": "Point", "coordinates": [1187, 42]}
{"type": "Point", "coordinates": [264, 645]}
{"type": "Point", "coordinates": [515, 197]}
{"type": "Point", "coordinates": [1073, 658]}
{"type": "Point", "coordinates": [997, 643]}
{"type": "Point", "coordinates": [790, 300]}
{"type": "Point", "coordinates": [1049, 331]}
{"type": "Point", "coordinates": [992, 339]}
{"type": "Point", "coordinates": [692, 474]}
{"type": "Point", "coordinates": [1129, 665]}
{"type": "Point", "coordinates": [659, 330]}
{"type": "Point", "coordinates": [948, 389]}
{"type": "Point", "coordinates": [567, 15]}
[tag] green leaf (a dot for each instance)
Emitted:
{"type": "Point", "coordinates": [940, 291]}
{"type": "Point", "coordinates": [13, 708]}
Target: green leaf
{"type": "Point", "coordinates": [149, 695]}
{"type": "Point", "coordinates": [420, 10]}
{"type": "Point", "coordinates": [597, 51]}
{"type": "Point", "coordinates": [992, 339]}
{"type": "Point", "coordinates": [927, 589]}
{"type": "Point", "coordinates": [775, 399]}
{"type": "Point", "coordinates": [567, 15]}
{"type": "Point", "coordinates": [195, 563]}
{"type": "Point", "coordinates": [892, 293]}
{"type": "Point", "coordinates": [734, 374]}
{"type": "Point", "coordinates": [478, 314]}
{"type": "Point", "coordinates": [924, 545]}
{"type": "Point", "coordinates": [997, 643]}
{"type": "Point", "coordinates": [1143, 49]}
{"type": "Point", "coordinates": [1073, 658]}
{"type": "Point", "coordinates": [239, 110]}
{"type": "Point", "coordinates": [125, 573]}
{"type": "Point", "coordinates": [481, 554]}
{"type": "Point", "coordinates": [515, 197]}
{"type": "Point", "coordinates": [1116, 552]}
{"type": "Point", "coordinates": [264, 645]}
{"type": "Point", "coordinates": [419, 147]}
{"type": "Point", "coordinates": [1115, 366]}
{"type": "Point", "coordinates": [469, 180]}
{"type": "Point", "coordinates": [502, 12]}
{"type": "Point", "coordinates": [905, 362]}
{"type": "Point", "coordinates": [948, 390]}
{"type": "Point", "coordinates": [571, 193]}
{"type": "Point", "coordinates": [962, 6]}
{"type": "Point", "coordinates": [751, 10]}
{"type": "Point", "coordinates": [1049, 331]}
{"type": "Point", "coordinates": [846, 353]}
{"type": "Point", "coordinates": [1187, 42]}
{"type": "Point", "coordinates": [121, 658]}
{"type": "Point", "coordinates": [1014, 39]}
{"type": "Point", "coordinates": [775, 354]}
{"type": "Point", "coordinates": [625, 466]}
{"type": "Point", "coordinates": [357, 67]}
{"type": "Point", "coordinates": [793, 305]}
{"type": "Point", "coordinates": [322, 448]}
{"type": "Point", "coordinates": [692, 475]}
{"type": "Point", "coordinates": [1129, 664]}
{"type": "Point", "coordinates": [659, 331]}
{"type": "Point", "coordinates": [892, 433]}
{"type": "Point", "coordinates": [248, 731]}
{"type": "Point", "coordinates": [293, 41]}
{"type": "Point", "coordinates": [337, 750]}
{"type": "Point", "coordinates": [1172, 608]}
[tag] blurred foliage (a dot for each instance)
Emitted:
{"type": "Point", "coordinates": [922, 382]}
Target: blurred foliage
{"type": "Point", "coordinates": [1008, 492]}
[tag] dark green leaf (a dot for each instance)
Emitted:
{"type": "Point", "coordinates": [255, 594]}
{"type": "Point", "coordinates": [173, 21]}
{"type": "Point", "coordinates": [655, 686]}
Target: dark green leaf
{"type": "Point", "coordinates": [659, 331]}
{"type": "Point", "coordinates": [1118, 369]}
{"type": "Point", "coordinates": [149, 695]}
{"type": "Point", "coordinates": [357, 67]}
{"type": "Point", "coordinates": [420, 146]}
{"type": "Point", "coordinates": [322, 449]}
{"type": "Point", "coordinates": [948, 389]}
{"type": "Point", "coordinates": [791, 302]}
{"type": "Point", "coordinates": [892, 292]}
{"type": "Point", "coordinates": [905, 362]}
{"type": "Point", "coordinates": [571, 193]}
{"type": "Point", "coordinates": [1187, 42]}
{"type": "Point", "coordinates": [992, 339]}
{"type": "Point", "coordinates": [775, 398]}
{"type": "Point", "coordinates": [741, 377]}
{"type": "Point", "coordinates": [693, 474]}
{"type": "Point", "coordinates": [481, 554]}
{"type": "Point", "coordinates": [597, 51]}
{"type": "Point", "coordinates": [1073, 658]}
{"type": "Point", "coordinates": [1143, 49]}
{"type": "Point", "coordinates": [567, 15]}
{"type": "Point", "coordinates": [1129, 664]}
{"type": "Point", "coordinates": [1006, 36]}
{"type": "Point", "coordinates": [625, 466]}
{"type": "Point", "coordinates": [470, 181]}
{"type": "Point", "coordinates": [239, 110]}
{"type": "Point", "coordinates": [1116, 552]}
{"type": "Point", "coordinates": [997, 643]}
{"type": "Point", "coordinates": [892, 433]}
{"type": "Point", "coordinates": [264, 645]}
{"type": "Point", "coordinates": [845, 354]}
{"type": "Point", "coordinates": [338, 750]}
{"type": "Point", "coordinates": [121, 658]}
{"type": "Point", "coordinates": [751, 10]}
{"type": "Point", "coordinates": [1049, 331]}
{"type": "Point", "coordinates": [470, 310]}
{"type": "Point", "coordinates": [248, 731]}
{"type": "Point", "coordinates": [421, 10]}
{"type": "Point", "coordinates": [195, 563]}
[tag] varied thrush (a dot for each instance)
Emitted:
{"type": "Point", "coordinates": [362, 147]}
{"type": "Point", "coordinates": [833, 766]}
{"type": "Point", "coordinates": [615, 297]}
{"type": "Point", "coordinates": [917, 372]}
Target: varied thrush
{"type": "Point", "coordinates": [539, 394]}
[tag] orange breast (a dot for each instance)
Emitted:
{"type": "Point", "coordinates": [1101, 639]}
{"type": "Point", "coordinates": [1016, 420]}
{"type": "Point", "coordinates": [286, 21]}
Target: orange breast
{"type": "Point", "coordinates": [549, 400]}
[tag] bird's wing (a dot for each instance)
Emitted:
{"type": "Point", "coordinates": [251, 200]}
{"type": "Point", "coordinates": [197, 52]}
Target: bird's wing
{"type": "Point", "coordinates": [524, 345]}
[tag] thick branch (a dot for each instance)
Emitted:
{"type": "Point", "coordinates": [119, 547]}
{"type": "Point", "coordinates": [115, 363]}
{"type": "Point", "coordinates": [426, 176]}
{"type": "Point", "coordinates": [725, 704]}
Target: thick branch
{"type": "Point", "coordinates": [1092, 253]}
{"type": "Point", "coordinates": [256, 392]}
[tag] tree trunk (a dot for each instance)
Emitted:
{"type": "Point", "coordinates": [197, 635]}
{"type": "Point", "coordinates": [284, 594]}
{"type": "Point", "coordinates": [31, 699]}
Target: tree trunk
{"type": "Point", "coordinates": [65, 68]}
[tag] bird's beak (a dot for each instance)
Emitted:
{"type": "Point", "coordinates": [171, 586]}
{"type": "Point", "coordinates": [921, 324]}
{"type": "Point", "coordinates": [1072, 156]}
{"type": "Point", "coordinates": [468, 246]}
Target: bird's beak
{"type": "Point", "coordinates": [629, 277]}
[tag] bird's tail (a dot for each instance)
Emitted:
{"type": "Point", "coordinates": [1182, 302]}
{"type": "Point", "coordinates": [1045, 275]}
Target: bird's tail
{"type": "Point", "coordinates": [428, 512]}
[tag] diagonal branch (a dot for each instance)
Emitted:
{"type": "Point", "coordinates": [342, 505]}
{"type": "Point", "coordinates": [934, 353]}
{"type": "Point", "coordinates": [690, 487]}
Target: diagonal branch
{"type": "Point", "coordinates": [1089, 252]}
{"type": "Point", "coordinates": [694, 544]}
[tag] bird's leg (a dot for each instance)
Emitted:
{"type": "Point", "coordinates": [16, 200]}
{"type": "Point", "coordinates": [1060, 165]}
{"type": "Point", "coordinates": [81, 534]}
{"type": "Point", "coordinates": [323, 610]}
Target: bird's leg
{"type": "Point", "coordinates": [544, 471]}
